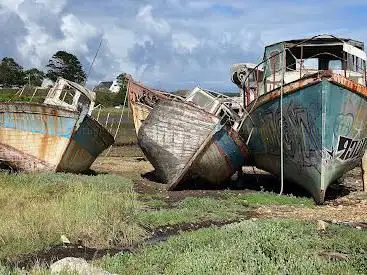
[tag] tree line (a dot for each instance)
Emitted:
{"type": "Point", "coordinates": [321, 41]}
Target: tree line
{"type": "Point", "coordinates": [61, 64]}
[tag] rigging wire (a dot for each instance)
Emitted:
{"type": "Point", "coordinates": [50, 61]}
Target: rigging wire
{"type": "Point", "coordinates": [281, 127]}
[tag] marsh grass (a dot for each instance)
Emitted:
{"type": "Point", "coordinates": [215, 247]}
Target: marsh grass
{"type": "Point", "coordinates": [192, 210]}
{"type": "Point", "coordinates": [36, 209]}
{"type": "Point", "coordinates": [269, 198]}
{"type": "Point", "coordinates": [197, 209]}
{"type": "Point", "coordinates": [261, 247]}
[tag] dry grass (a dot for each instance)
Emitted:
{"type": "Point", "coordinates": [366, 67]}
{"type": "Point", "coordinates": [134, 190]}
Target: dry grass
{"type": "Point", "coordinates": [36, 209]}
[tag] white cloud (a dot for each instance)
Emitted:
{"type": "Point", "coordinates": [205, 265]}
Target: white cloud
{"type": "Point", "coordinates": [158, 26]}
{"type": "Point", "coordinates": [169, 43]}
{"type": "Point", "coordinates": [184, 41]}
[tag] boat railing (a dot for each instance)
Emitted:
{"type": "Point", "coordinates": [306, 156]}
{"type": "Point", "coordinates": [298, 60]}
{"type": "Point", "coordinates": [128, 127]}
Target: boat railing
{"type": "Point", "coordinates": [107, 124]}
{"type": "Point", "coordinates": [98, 107]}
{"type": "Point", "coordinates": [20, 93]}
{"type": "Point", "coordinates": [274, 75]}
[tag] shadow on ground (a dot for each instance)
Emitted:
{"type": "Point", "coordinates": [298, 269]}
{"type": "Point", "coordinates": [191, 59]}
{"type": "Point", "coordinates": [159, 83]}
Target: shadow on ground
{"type": "Point", "coordinates": [257, 180]}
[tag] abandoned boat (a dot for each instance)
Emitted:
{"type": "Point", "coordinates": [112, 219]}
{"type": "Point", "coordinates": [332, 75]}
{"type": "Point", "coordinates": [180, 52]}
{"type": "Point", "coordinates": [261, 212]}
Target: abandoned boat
{"type": "Point", "coordinates": [142, 99]}
{"type": "Point", "coordinates": [58, 135]}
{"type": "Point", "coordinates": [194, 138]}
{"type": "Point", "coordinates": [307, 106]}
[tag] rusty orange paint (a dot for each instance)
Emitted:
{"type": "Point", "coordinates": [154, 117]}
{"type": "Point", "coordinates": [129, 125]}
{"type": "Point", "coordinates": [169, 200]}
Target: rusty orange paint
{"type": "Point", "coordinates": [349, 84]}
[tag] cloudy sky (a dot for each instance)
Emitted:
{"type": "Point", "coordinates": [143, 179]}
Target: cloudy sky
{"type": "Point", "coordinates": [168, 44]}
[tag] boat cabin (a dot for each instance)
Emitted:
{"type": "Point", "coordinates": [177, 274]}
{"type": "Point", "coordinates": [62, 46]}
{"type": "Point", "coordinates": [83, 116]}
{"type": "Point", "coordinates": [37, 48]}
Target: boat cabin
{"type": "Point", "coordinates": [299, 58]}
{"type": "Point", "coordinates": [70, 95]}
{"type": "Point", "coordinates": [222, 106]}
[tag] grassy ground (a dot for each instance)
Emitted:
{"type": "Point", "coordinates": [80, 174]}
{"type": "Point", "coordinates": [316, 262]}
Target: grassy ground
{"type": "Point", "coordinates": [110, 118]}
{"type": "Point", "coordinates": [96, 209]}
{"type": "Point", "coordinates": [248, 247]}
{"type": "Point", "coordinates": [193, 210]}
{"type": "Point", "coordinates": [261, 247]}
{"type": "Point", "coordinates": [10, 94]}
{"type": "Point", "coordinates": [35, 210]}
{"type": "Point", "coordinates": [108, 210]}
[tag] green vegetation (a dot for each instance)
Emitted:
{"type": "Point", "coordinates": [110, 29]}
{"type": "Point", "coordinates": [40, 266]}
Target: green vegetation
{"type": "Point", "coordinates": [10, 94]}
{"type": "Point", "coordinates": [96, 209]}
{"type": "Point", "coordinates": [104, 211]}
{"type": "Point", "coordinates": [126, 134]}
{"type": "Point", "coordinates": [66, 65]}
{"type": "Point", "coordinates": [35, 210]}
{"type": "Point", "coordinates": [268, 198]}
{"type": "Point", "coordinates": [261, 247]}
{"type": "Point", "coordinates": [12, 74]}
{"type": "Point", "coordinates": [108, 99]}
{"type": "Point", "coordinates": [192, 210]}
{"type": "Point", "coordinates": [231, 206]}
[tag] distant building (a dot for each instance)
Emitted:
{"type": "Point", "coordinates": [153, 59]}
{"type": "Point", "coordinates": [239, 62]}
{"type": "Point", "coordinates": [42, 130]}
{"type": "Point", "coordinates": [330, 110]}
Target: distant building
{"type": "Point", "coordinates": [47, 83]}
{"type": "Point", "coordinates": [103, 86]}
{"type": "Point", "coordinates": [115, 87]}
{"type": "Point", "coordinates": [111, 86]}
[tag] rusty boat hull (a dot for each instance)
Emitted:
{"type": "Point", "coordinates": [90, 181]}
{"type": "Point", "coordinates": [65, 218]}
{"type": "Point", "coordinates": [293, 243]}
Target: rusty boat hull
{"type": "Point", "coordinates": [324, 125]}
{"type": "Point", "coordinates": [40, 137]}
{"type": "Point", "coordinates": [183, 142]}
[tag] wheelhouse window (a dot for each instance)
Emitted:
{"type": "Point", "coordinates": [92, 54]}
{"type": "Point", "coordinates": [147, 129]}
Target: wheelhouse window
{"type": "Point", "coordinates": [335, 65]}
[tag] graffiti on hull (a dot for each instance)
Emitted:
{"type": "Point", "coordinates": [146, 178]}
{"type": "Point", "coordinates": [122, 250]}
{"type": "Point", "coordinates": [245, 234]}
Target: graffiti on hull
{"type": "Point", "coordinates": [302, 139]}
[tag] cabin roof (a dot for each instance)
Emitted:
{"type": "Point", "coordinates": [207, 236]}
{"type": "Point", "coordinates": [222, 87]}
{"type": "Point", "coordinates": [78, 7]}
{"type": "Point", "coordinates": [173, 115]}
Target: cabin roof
{"type": "Point", "coordinates": [322, 40]}
{"type": "Point", "coordinates": [89, 94]}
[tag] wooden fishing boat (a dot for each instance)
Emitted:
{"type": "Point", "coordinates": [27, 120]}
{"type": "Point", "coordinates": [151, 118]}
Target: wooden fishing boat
{"type": "Point", "coordinates": [142, 99]}
{"type": "Point", "coordinates": [195, 138]}
{"type": "Point", "coordinates": [58, 135]}
{"type": "Point", "coordinates": [314, 90]}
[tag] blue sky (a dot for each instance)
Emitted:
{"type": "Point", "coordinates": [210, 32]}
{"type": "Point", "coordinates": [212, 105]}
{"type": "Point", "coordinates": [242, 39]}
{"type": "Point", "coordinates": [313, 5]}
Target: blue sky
{"type": "Point", "coordinates": [168, 44]}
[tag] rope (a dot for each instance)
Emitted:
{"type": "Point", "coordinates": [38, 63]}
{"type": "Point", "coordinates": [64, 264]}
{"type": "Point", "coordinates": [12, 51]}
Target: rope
{"type": "Point", "coordinates": [119, 124]}
{"type": "Point", "coordinates": [16, 94]}
{"type": "Point", "coordinates": [35, 90]}
{"type": "Point", "coordinates": [281, 131]}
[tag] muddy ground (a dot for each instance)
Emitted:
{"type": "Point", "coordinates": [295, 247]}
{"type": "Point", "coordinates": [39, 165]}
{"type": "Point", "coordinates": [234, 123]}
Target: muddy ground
{"type": "Point", "coordinates": [345, 199]}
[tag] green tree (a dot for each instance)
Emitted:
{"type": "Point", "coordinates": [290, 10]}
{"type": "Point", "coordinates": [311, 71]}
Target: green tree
{"type": "Point", "coordinates": [11, 73]}
{"type": "Point", "coordinates": [107, 99]}
{"type": "Point", "coordinates": [34, 77]}
{"type": "Point", "coordinates": [66, 65]}
{"type": "Point", "coordinates": [122, 80]}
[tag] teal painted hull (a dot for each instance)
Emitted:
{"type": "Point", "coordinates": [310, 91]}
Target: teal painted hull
{"type": "Point", "coordinates": [325, 135]}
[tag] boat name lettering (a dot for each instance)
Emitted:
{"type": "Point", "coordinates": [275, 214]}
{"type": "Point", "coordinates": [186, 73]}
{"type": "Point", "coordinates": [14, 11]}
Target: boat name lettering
{"type": "Point", "coordinates": [349, 148]}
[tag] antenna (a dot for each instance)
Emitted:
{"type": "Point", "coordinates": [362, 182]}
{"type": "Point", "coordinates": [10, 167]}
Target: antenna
{"type": "Point", "coordinates": [94, 59]}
